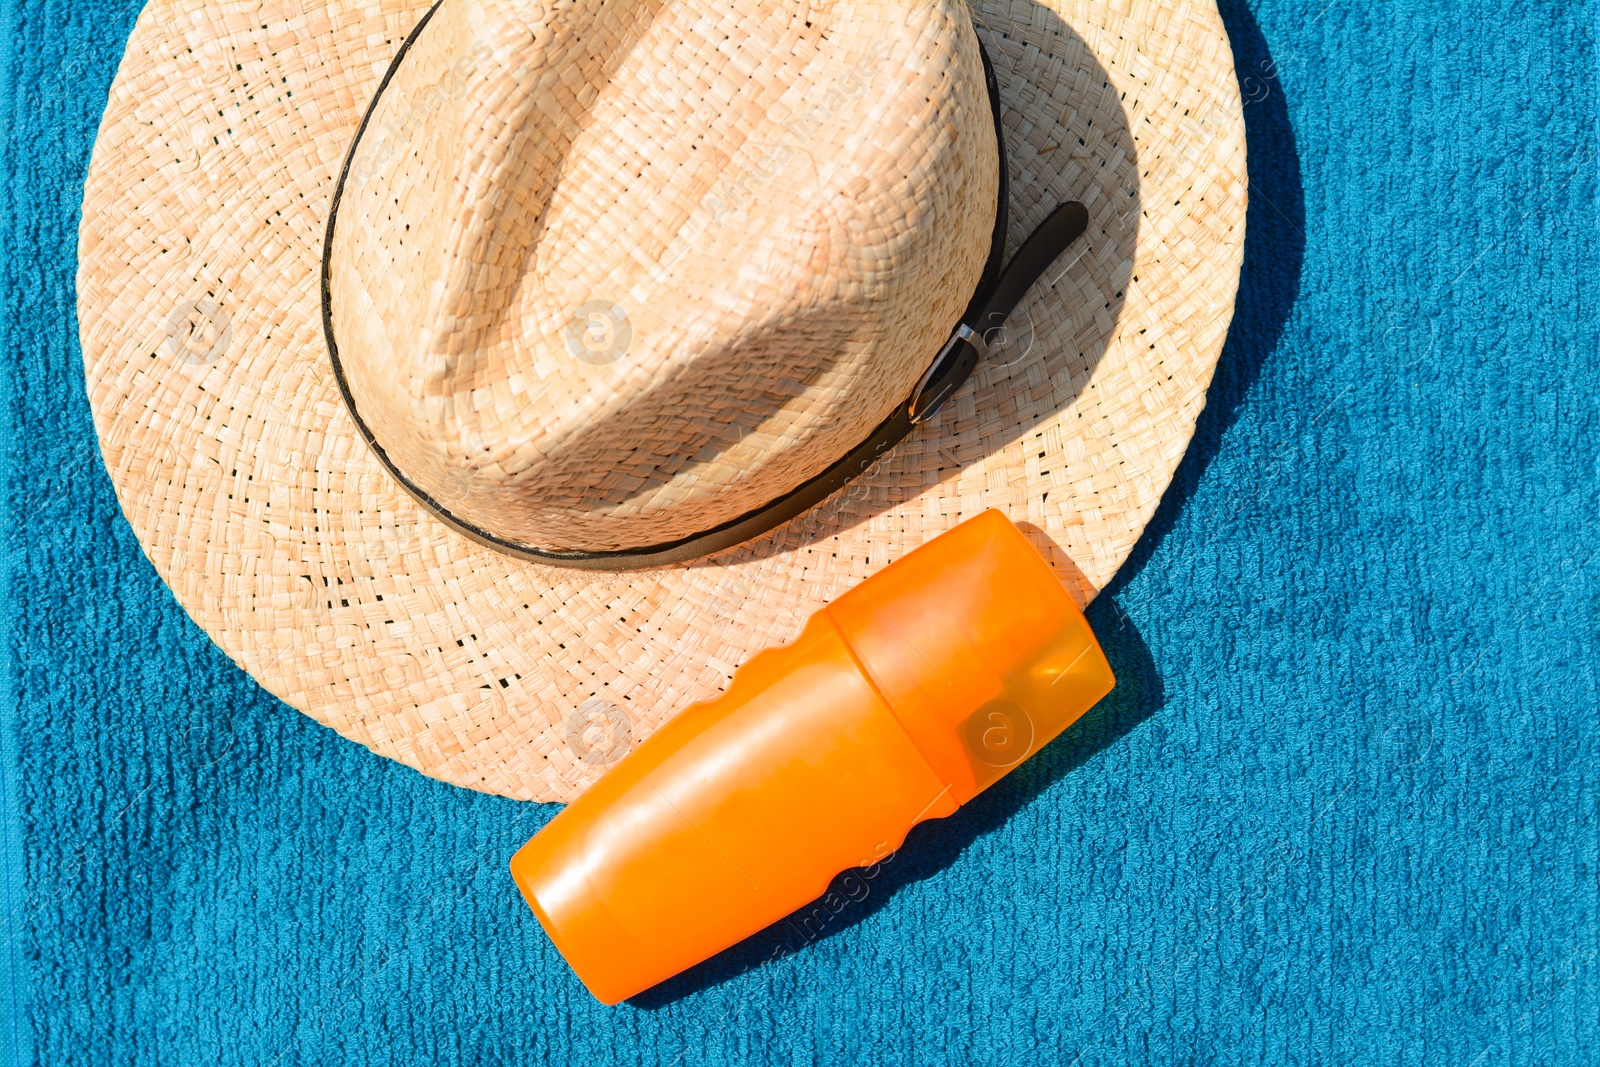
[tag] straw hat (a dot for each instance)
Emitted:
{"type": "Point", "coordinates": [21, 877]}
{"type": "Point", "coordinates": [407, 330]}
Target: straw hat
{"type": "Point", "coordinates": [455, 473]}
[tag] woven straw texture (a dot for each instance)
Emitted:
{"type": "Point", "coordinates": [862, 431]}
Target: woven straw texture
{"type": "Point", "coordinates": [257, 501]}
{"type": "Point", "coordinates": [762, 341]}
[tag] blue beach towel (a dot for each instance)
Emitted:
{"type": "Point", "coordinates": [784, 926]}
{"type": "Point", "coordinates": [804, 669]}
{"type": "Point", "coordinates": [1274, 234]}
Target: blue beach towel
{"type": "Point", "coordinates": [1342, 807]}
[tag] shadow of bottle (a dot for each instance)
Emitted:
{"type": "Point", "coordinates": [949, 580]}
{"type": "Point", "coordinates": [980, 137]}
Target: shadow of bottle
{"type": "Point", "coordinates": [933, 846]}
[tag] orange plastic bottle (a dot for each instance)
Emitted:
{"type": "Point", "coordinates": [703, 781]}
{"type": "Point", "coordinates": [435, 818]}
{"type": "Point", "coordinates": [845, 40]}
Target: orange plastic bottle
{"type": "Point", "coordinates": [898, 702]}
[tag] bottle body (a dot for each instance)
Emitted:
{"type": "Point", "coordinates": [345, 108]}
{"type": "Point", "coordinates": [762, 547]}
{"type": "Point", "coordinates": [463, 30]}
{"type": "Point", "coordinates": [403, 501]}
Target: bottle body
{"type": "Point", "coordinates": [897, 703]}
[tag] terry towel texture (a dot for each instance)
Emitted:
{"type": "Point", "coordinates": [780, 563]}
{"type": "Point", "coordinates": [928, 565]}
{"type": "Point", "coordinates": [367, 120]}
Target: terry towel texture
{"type": "Point", "coordinates": [1342, 808]}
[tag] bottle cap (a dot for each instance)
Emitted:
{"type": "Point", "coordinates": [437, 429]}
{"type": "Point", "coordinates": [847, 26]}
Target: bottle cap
{"type": "Point", "coordinates": [977, 648]}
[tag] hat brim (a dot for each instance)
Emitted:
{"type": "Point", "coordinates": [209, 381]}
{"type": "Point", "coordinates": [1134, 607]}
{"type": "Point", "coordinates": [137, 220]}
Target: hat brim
{"type": "Point", "coordinates": [252, 492]}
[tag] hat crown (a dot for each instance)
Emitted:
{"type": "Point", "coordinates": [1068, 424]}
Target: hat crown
{"type": "Point", "coordinates": [607, 276]}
